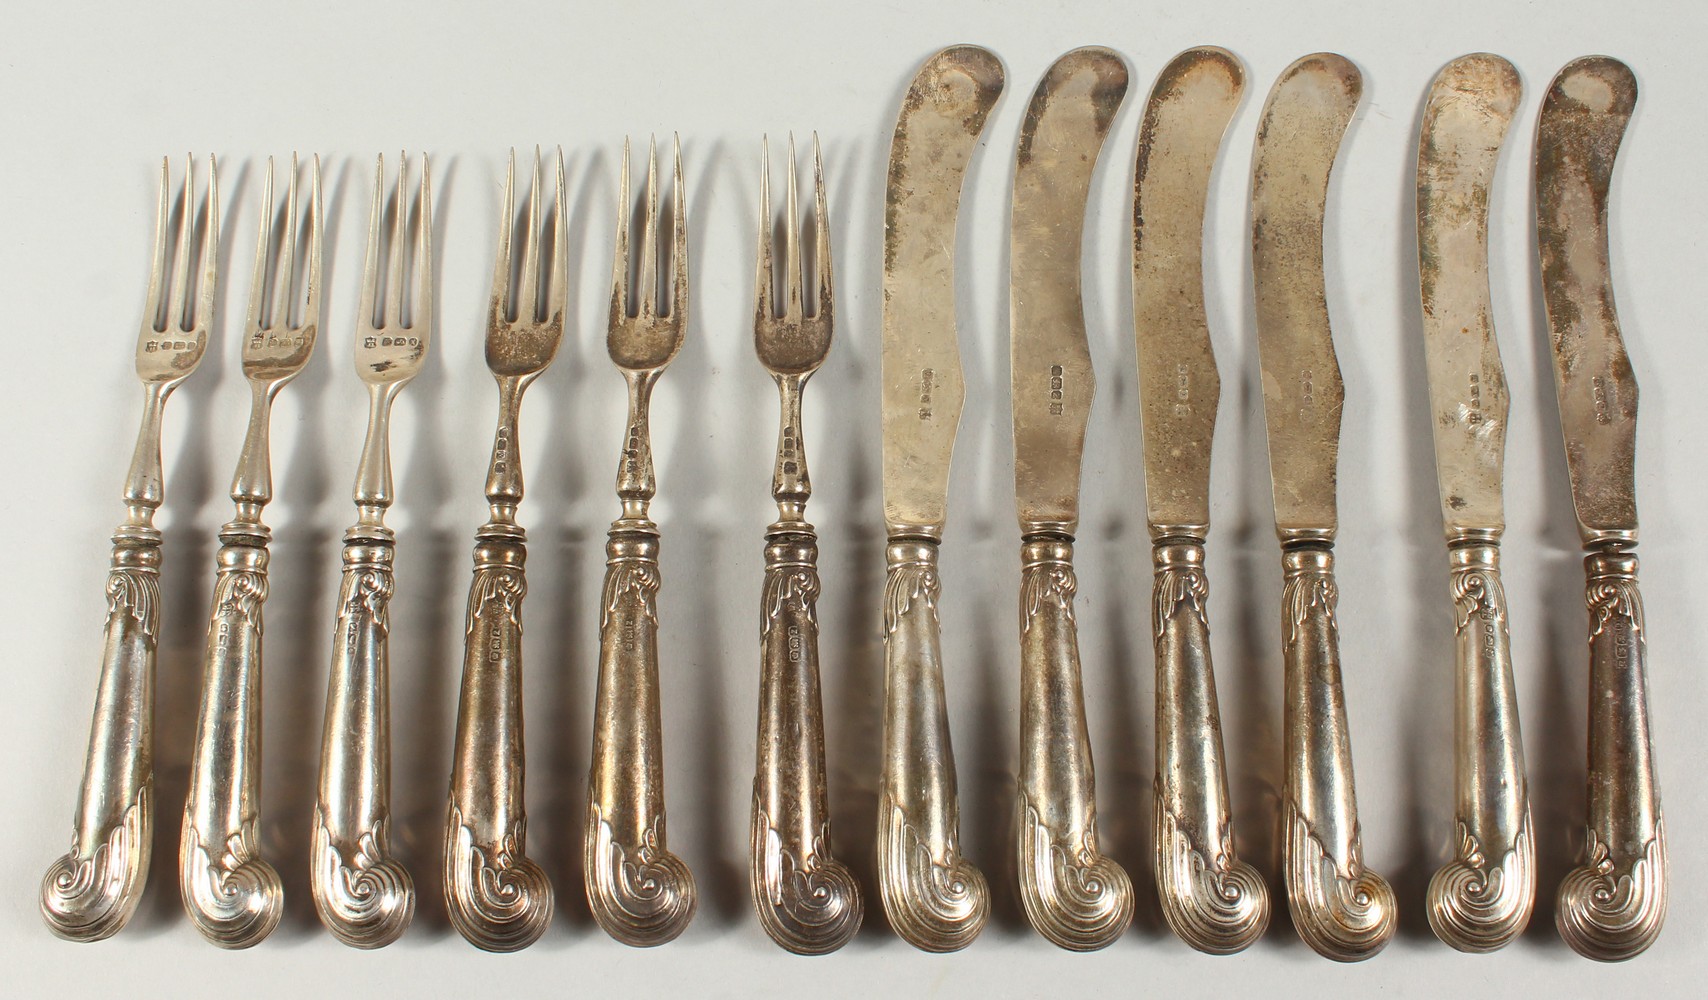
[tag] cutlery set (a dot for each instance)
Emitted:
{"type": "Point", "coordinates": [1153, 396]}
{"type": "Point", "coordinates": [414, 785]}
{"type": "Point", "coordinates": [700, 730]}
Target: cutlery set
{"type": "Point", "coordinates": [807, 900]}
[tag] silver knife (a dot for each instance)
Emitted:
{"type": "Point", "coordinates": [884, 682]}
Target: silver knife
{"type": "Point", "coordinates": [1074, 896]}
{"type": "Point", "coordinates": [1481, 899]}
{"type": "Point", "coordinates": [1610, 907]}
{"type": "Point", "coordinates": [934, 899]}
{"type": "Point", "coordinates": [1212, 900]}
{"type": "Point", "coordinates": [1342, 910]}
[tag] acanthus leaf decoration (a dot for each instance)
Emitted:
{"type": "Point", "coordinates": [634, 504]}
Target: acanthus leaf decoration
{"type": "Point", "coordinates": [907, 583]}
{"type": "Point", "coordinates": [792, 586]}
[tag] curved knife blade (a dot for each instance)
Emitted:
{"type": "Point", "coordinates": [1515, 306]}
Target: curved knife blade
{"type": "Point", "coordinates": [1578, 133]}
{"type": "Point", "coordinates": [941, 119]}
{"type": "Point", "coordinates": [1303, 122]}
{"type": "Point", "coordinates": [1066, 123]}
{"type": "Point", "coordinates": [1189, 110]}
{"type": "Point", "coordinates": [1470, 108]}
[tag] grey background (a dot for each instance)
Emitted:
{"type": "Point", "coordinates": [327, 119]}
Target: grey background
{"type": "Point", "coordinates": [95, 93]}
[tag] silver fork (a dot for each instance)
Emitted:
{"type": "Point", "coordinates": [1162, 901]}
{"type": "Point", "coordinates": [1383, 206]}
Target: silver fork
{"type": "Point", "coordinates": [807, 900]}
{"type": "Point", "coordinates": [364, 896]}
{"type": "Point", "coordinates": [498, 898]}
{"type": "Point", "coordinates": [232, 895]}
{"type": "Point", "coordinates": [640, 893]}
{"type": "Point", "coordinates": [91, 891]}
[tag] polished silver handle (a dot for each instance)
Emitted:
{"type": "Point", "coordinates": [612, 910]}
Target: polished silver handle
{"type": "Point", "coordinates": [364, 896]}
{"type": "Point", "coordinates": [806, 899]}
{"type": "Point", "coordinates": [90, 892]}
{"type": "Point", "coordinates": [1482, 899]}
{"type": "Point", "coordinates": [1612, 905]}
{"type": "Point", "coordinates": [935, 899]}
{"type": "Point", "coordinates": [640, 893]}
{"type": "Point", "coordinates": [233, 896]}
{"type": "Point", "coordinates": [1074, 896]}
{"type": "Point", "coordinates": [1211, 899]}
{"type": "Point", "coordinates": [1344, 911]}
{"type": "Point", "coordinates": [497, 897]}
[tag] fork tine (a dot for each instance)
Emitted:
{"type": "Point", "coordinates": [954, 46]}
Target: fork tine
{"type": "Point", "coordinates": [501, 270]}
{"type": "Point", "coordinates": [284, 281]}
{"type": "Point", "coordinates": [821, 226]}
{"type": "Point", "coordinates": [763, 306]}
{"type": "Point", "coordinates": [421, 317]}
{"type": "Point", "coordinates": [792, 243]}
{"type": "Point", "coordinates": [395, 247]}
{"type": "Point", "coordinates": [316, 222]}
{"type": "Point", "coordinates": [263, 237]}
{"type": "Point", "coordinates": [558, 297]}
{"type": "Point", "coordinates": [620, 266]}
{"type": "Point", "coordinates": [679, 244]}
{"type": "Point", "coordinates": [371, 259]}
{"type": "Point", "coordinates": [648, 292]}
{"type": "Point", "coordinates": [157, 269]}
{"type": "Point", "coordinates": [181, 268]}
{"type": "Point", "coordinates": [210, 248]}
{"type": "Point", "coordinates": [528, 296]}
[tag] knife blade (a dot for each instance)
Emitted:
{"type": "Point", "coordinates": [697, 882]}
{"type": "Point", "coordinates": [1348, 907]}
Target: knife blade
{"type": "Point", "coordinates": [934, 899]}
{"type": "Point", "coordinates": [1612, 906]}
{"type": "Point", "coordinates": [1482, 899]}
{"type": "Point", "coordinates": [1342, 910]}
{"type": "Point", "coordinates": [1074, 896]}
{"type": "Point", "coordinates": [1211, 899]}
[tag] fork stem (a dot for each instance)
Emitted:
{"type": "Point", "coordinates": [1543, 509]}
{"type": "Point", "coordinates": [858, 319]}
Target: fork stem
{"type": "Point", "coordinates": [144, 483]}
{"type": "Point", "coordinates": [504, 472]}
{"type": "Point", "coordinates": [90, 892]}
{"type": "Point", "coordinates": [252, 486]}
{"type": "Point", "coordinates": [636, 484]}
{"type": "Point", "coordinates": [807, 900]}
{"type": "Point", "coordinates": [640, 893]}
{"type": "Point", "coordinates": [364, 896]}
{"type": "Point", "coordinates": [373, 493]}
{"type": "Point", "coordinates": [791, 487]}
{"type": "Point", "coordinates": [498, 898]}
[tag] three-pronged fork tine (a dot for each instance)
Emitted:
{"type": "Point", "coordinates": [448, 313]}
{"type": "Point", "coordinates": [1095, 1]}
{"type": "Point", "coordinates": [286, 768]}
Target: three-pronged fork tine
{"type": "Point", "coordinates": [232, 895]}
{"type": "Point", "coordinates": [498, 898]}
{"type": "Point", "coordinates": [90, 892]}
{"type": "Point", "coordinates": [364, 896]}
{"type": "Point", "coordinates": [806, 899]}
{"type": "Point", "coordinates": [640, 893]}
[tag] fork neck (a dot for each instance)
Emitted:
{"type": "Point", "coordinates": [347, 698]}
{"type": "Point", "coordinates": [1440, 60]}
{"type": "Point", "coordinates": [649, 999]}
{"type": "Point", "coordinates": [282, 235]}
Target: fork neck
{"type": "Point", "coordinates": [145, 484]}
{"type": "Point", "coordinates": [373, 492]}
{"type": "Point", "coordinates": [791, 487]}
{"type": "Point", "coordinates": [504, 472]}
{"type": "Point", "coordinates": [636, 484]}
{"type": "Point", "coordinates": [252, 486]}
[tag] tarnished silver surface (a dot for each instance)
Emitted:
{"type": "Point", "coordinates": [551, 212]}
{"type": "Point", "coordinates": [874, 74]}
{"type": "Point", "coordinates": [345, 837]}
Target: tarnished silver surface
{"type": "Point", "coordinates": [1612, 906]}
{"type": "Point", "coordinates": [1074, 896]}
{"type": "Point", "coordinates": [641, 894]}
{"type": "Point", "coordinates": [934, 898]}
{"type": "Point", "coordinates": [1211, 899]}
{"type": "Point", "coordinates": [497, 897]}
{"type": "Point", "coordinates": [806, 899]}
{"type": "Point", "coordinates": [1482, 899]}
{"type": "Point", "coordinates": [233, 895]}
{"type": "Point", "coordinates": [90, 892]}
{"type": "Point", "coordinates": [1341, 909]}
{"type": "Point", "coordinates": [364, 896]}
